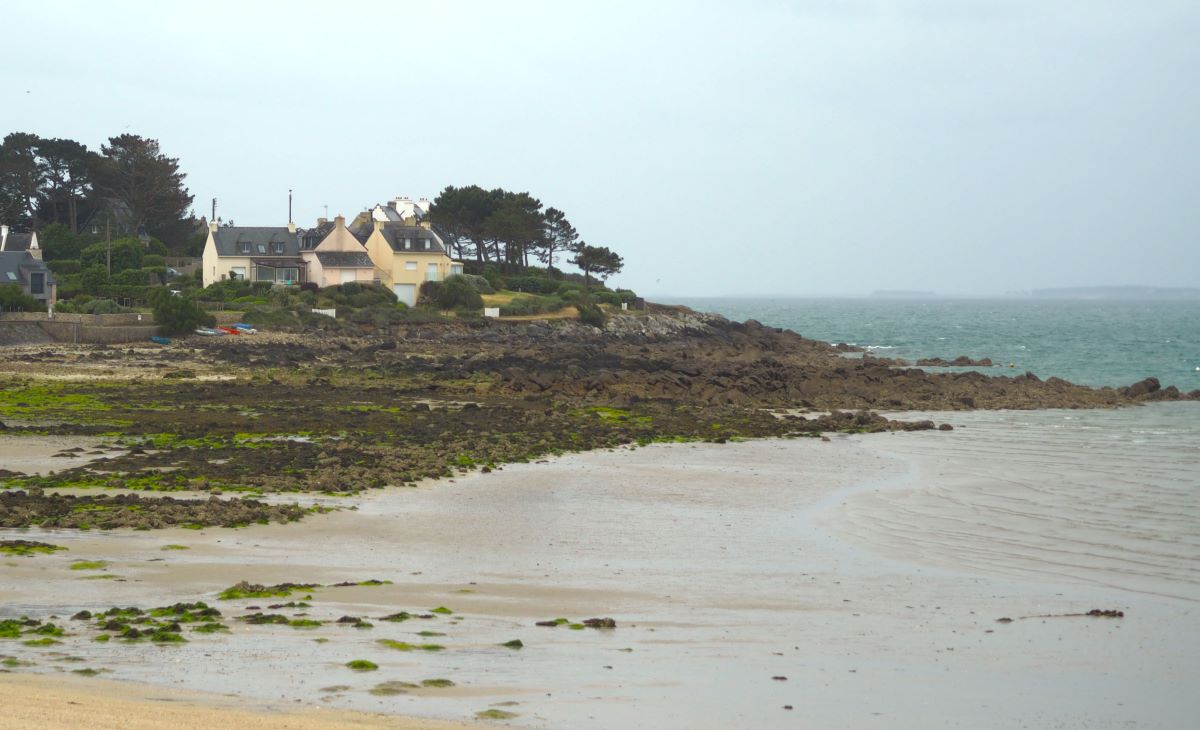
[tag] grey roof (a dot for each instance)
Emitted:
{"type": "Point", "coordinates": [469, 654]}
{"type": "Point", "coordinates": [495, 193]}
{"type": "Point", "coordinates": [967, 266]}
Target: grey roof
{"type": "Point", "coordinates": [15, 267]}
{"type": "Point", "coordinates": [396, 235]}
{"type": "Point", "coordinates": [18, 241]}
{"type": "Point", "coordinates": [230, 240]}
{"type": "Point", "coordinates": [345, 259]}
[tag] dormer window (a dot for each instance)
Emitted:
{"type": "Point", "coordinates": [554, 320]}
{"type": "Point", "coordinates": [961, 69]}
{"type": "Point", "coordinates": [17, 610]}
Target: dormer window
{"type": "Point", "coordinates": [244, 246]}
{"type": "Point", "coordinates": [277, 247]}
{"type": "Point", "coordinates": [261, 247]}
{"type": "Point", "coordinates": [408, 243]}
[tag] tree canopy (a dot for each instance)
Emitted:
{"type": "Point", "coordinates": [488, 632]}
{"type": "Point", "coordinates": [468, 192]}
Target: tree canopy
{"type": "Point", "coordinates": [507, 229]}
{"type": "Point", "coordinates": [129, 186]}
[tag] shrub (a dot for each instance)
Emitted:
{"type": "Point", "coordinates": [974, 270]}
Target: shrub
{"type": "Point", "coordinates": [153, 261]}
{"type": "Point", "coordinates": [127, 253]}
{"type": "Point", "coordinates": [591, 314]}
{"type": "Point", "coordinates": [532, 284]}
{"type": "Point", "coordinates": [458, 292]}
{"type": "Point", "coordinates": [93, 279]}
{"type": "Point", "coordinates": [177, 315]}
{"type": "Point", "coordinates": [481, 284]}
{"type": "Point", "coordinates": [64, 266]}
{"type": "Point", "coordinates": [492, 274]}
{"type": "Point", "coordinates": [528, 304]}
{"type": "Point", "coordinates": [429, 293]}
{"type": "Point", "coordinates": [310, 286]}
{"type": "Point", "coordinates": [14, 299]}
{"type": "Point", "coordinates": [131, 277]}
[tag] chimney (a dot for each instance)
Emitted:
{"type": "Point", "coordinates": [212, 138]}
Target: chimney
{"type": "Point", "coordinates": [339, 222]}
{"type": "Point", "coordinates": [35, 250]}
{"type": "Point", "coordinates": [322, 221]}
{"type": "Point", "coordinates": [424, 204]}
{"type": "Point", "coordinates": [426, 224]}
{"type": "Point", "coordinates": [291, 227]}
{"type": "Point", "coordinates": [213, 226]}
{"type": "Point", "coordinates": [378, 224]}
{"type": "Point", "coordinates": [3, 236]}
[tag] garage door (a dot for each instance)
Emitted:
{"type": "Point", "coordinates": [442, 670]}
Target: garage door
{"type": "Point", "coordinates": [349, 275]}
{"type": "Point", "coordinates": [406, 293]}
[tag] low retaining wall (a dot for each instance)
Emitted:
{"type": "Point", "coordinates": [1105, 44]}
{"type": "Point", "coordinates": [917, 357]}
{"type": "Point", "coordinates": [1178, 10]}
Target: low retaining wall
{"type": "Point", "coordinates": [33, 328]}
{"type": "Point", "coordinates": [76, 332]}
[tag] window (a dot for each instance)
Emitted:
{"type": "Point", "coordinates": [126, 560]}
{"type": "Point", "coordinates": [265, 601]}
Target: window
{"type": "Point", "coordinates": [288, 275]}
{"type": "Point", "coordinates": [262, 248]}
{"type": "Point", "coordinates": [37, 283]}
{"type": "Point", "coordinates": [456, 269]}
{"type": "Point", "coordinates": [431, 272]}
{"type": "Point", "coordinates": [425, 244]}
{"type": "Point", "coordinates": [10, 275]}
{"type": "Point", "coordinates": [264, 273]}
{"type": "Point", "coordinates": [277, 247]}
{"type": "Point", "coordinates": [237, 272]}
{"type": "Point", "coordinates": [410, 265]}
{"type": "Point", "coordinates": [407, 243]}
{"type": "Point", "coordinates": [244, 246]}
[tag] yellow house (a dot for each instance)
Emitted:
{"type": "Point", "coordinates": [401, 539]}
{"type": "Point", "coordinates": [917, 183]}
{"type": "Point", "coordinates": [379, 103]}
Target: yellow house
{"type": "Point", "coordinates": [333, 255]}
{"type": "Point", "coordinates": [406, 256]}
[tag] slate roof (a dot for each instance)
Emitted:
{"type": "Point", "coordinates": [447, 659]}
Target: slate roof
{"type": "Point", "coordinates": [16, 265]}
{"type": "Point", "coordinates": [263, 241]}
{"type": "Point", "coordinates": [395, 235]}
{"type": "Point", "coordinates": [345, 260]}
{"type": "Point", "coordinates": [18, 241]}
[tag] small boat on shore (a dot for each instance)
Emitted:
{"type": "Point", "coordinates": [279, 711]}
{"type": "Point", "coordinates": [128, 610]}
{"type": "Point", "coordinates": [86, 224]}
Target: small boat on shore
{"type": "Point", "coordinates": [208, 331]}
{"type": "Point", "coordinates": [229, 330]}
{"type": "Point", "coordinates": [246, 329]}
{"type": "Point", "coordinates": [157, 339]}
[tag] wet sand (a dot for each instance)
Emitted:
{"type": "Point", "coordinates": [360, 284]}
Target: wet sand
{"type": "Point", "coordinates": [868, 571]}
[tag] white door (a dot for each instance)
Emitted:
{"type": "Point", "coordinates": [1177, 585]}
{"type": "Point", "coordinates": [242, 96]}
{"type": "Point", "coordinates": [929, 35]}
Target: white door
{"type": "Point", "coordinates": [349, 275]}
{"type": "Point", "coordinates": [406, 293]}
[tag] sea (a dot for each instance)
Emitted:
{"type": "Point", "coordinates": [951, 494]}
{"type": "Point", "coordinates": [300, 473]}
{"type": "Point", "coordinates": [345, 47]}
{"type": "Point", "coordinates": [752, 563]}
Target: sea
{"type": "Point", "coordinates": [1091, 342]}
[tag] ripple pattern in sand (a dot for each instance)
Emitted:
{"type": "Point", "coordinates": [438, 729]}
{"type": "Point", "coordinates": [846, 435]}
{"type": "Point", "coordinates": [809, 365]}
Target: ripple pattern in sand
{"type": "Point", "coordinates": [1108, 498]}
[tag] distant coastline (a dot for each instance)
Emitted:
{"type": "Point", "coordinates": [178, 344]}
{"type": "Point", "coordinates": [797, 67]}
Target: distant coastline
{"type": "Point", "coordinates": [1117, 292]}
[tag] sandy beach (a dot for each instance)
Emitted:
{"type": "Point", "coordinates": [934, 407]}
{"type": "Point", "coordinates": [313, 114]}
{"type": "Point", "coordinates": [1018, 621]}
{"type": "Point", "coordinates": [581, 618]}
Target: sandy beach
{"type": "Point", "coordinates": [852, 583]}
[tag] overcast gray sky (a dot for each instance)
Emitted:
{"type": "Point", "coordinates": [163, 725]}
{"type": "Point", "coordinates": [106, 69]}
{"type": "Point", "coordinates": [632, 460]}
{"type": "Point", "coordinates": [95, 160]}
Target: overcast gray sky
{"type": "Point", "coordinates": [791, 148]}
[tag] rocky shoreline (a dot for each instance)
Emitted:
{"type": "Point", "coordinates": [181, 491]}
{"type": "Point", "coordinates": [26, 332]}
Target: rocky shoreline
{"type": "Point", "coordinates": [305, 412]}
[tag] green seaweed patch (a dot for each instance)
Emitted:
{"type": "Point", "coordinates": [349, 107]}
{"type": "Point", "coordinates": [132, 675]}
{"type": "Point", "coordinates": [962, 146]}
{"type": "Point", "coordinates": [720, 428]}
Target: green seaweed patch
{"type": "Point", "coordinates": [305, 623]}
{"type": "Point", "coordinates": [174, 547]}
{"type": "Point", "coordinates": [101, 576]}
{"type": "Point", "coordinates": [430, 633]}
{"type": "Point", "coordinates": [494, 714]}
{"type": "Point", "coordinates": [48, 629]}
{"type": "Point", "coordinates": [210, 628]}
{"type": "Point", "coordinates": [441, 610]}
{"type": "Point", "coordinates": [362, 665]}
{"type": "Point", "coordinates": [437, 682]}
{"type": "Point", "coordinates": [404, 616]}
{"type": "Point", "coordinates": [576, 627]}
{"type": "Point", "coordinates": [89, 565]}
{"type": "Point", "coordinates": [101, 638]}
{"type": "Point", "coordinates": [255, 590]}
{"type": "Point", "coordinates": [405, 646]}
{"type": "Point", "coordinates": [186, 612]}
{"type": "Point", "coordinates": [11, 628]}
{"type": "Point", "coordinates": [12, 662]}
{"type": "Point", "coordinates": [28, 548]}
{"type": "Point", "coordinates": [388, 689]}
{"type": "Point", "coordinates": [87, 672]}
{"type": "Point", "coordinates": [265, 618]}
{"type": "Point", "coordinates": [44, 641]}
{"type": "Point", "coordinates": [514, 644]}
